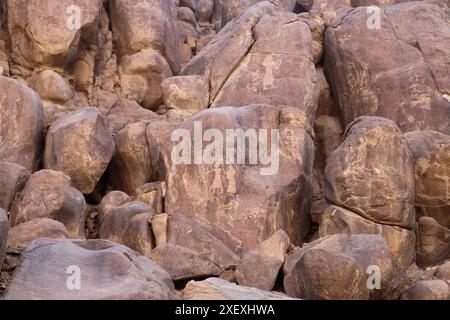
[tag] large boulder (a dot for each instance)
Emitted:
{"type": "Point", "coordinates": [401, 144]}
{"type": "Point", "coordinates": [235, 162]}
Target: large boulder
{"type": "Point", "coordinates": [12, 181]}
{"type": "Point", "coordinates": [48, 33]}
{"type": "Point", "coordinates": [341, 267]}
{"type": "Point", "coordinates": [23, 234]}
{"type": "Point", "coordinates": [226, 198]}
{"type": "Point", "coordinates": [431, 154]}
{"type": "Point", "coordinates": [22, 124]}
{"type": "Point", "coordinates": [428, 290]}
{"type": "Point", "coordinates": [219, 289]}
{"type": "Point", "coordinates": [53, 269]}
{"type": "Point", "coordinates": [398, 71]}
{"type": "Point", "coordinates": [48, 194]}
{"type": "Point", "coordinates": [259, 268]}
{"type": "Point", "coordinates": [433, 242]}
{"type": "Point", "coordinates": [401, 241]}
{"type": "Point", "coordinates": [146, 24]}
{"type": "Point", "coordinates": [80, 145]}
{"type": "Point", "coordinates": [371, 173]}
{"type": "Point", "coordinates": [4, 228]}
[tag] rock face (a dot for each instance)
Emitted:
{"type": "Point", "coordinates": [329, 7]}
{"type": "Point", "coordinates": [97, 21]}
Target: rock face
{"type": "Point", "coordinates": [219, 289]}
{"type": "Point", "coordinates": [12, 181]}
{"type": "Point", "coordinates": [224, 198]}
{"type": "Point", "coordinates": [135, 31]}
{"type": "Point", "coordinates": [81, 146]}
{"type": "Point", "coordinates": [398, 71]}
{"type": "Point", "coordinates": [22, 124]}
{"type": "Point", "coordinates": [433, 242]}
{"type": "Point", "coordinates": [50, 269]}
{"type": "Point", "coordinates": [4, 228]}
{"type": "Point", "coordinates": [371, 173]}
{"type": "Point", "coordinates": [45, 33]}
{"type": "Point", "coordinates": [259, 268]}
{"type": "Point", "coordinates": [431, 154]}
{"type": "Point", "coordinates": [189, 93]}
{"type": "Point", "coordinates": [428, 290]}
{"type": "Point", "coordinates": [48, 194]}
{"type": "Point", "coordinates": [341, 267]}
{"type": "Point", "coordinates": [23, 234]}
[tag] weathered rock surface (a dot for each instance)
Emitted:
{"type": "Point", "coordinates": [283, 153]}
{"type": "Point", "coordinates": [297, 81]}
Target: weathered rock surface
{"type": "Point", "coordinates": [189, 93]}
{"type": "Point", "coordinates": [80, 145]}
{"type": "Point", "coordinates": [428, 290]}
{"type": "Point", "coordinates": [4, 228]}
{"type": "Point", "coordinates": [149, 24]}
{"type": "Point", "coordinates": [182, 263]}
{"type": "Point", "coordinates": [226, 199]}
{"type": "Point", "coordinates": [48, 33]}
{"type": "Point", "coordinates": [111, 201]}
{"type": "Point", "coordinates": [433, 242]}
{"type": "Point", "coordinates": [48, 194]}
{"type": "Point", "coordinates": [107, 271]}
{"type": "Point", "coordinates": [23, 234]}
{"type": "Point", "coordinates": [371, 173]}
{"type": "Point", "coordinates": [339, 267]}
{"type": "Point", "coordinates": [260, 267]}
{"type": "Point", "coordinates": [13, 178]}
{"type": "Point", "coordinates": [399, 71]}
{"type": "Point", "coordinates": [219, 289]}
{"type": "Point", "coordinates": [130, 225]}
{"type": "Point", "coordinates": [22, 124]}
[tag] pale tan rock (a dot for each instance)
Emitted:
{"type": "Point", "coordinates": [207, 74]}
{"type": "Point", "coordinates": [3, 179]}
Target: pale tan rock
{"type": "Point", "coordinates": [443, 271]}
{"type": "Point", "coordinates": [160, 224]}
{"type": "Point", "coordinates": [53, 87]}
{"type": "Point", "coordinates": [80, 145]}
{"type": "Point", "coordinates": [152, 194]}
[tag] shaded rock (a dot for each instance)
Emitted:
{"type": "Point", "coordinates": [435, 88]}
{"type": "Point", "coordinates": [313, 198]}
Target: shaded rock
{"type": "Point", "coordinates": [433, 242]}
{"type": "Point", "coordinates": [219, 289]}
{"type": "Point", "coordinates": [131, 164]}
{"type": "Point", "coordinates": [129, 225]}
{"type": "Point", "coordinates": [182, 263]}
{"type": "Point", "coordinates": [22, 119]}
{"type": "Point", "coordinates": [47, 194]}
{"type": "Point", "coordinates": [152, 194]}
{"type": "Point", "coordinates": [431, 154]}
{"type": "Point", "coordinates": [13, 178]}
{"type": "Point", "coordinates": [23, 234]}
{"type": "Point", "coordinates": [226, 198]}
{"type": "Point", "coordinates": [80, 145]}
{"type": "Point", "coordinates": [135, 31]}
{"type": "Point", "coordinates": [53, 87]}
{"type": "Point", "coordinates": [340, 267]}
{"type": "Point", "coordinates": [109, 271]}
{"type": "Point", "coordinates": [141, 75]}
{"type": "Point", "coordinates": [187, 233]}
{"type": "Point", "coordinates": [371, 173]}
{"type": "Point", "coordinates": [260, 267]}
{"type": "Point", "coordinates": [4, 227]}
{"type": "Point", "coordinates": [111, 201]}
{"type": "Point", "coordinates": [402, 242]}
{"type": "Point", "coordinates": [189, 93]}
{"type": "Point", "coordinates": [428, 290]}
{"type": "Point", "coordinates": [399, 71]}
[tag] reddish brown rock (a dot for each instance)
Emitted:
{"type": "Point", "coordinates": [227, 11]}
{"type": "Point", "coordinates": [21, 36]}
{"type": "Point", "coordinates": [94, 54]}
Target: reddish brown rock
{"type": "Point", "coordinates": [428, 290]}
{"type": "Point", "coordinates": [80, 145]}
{"type": "Point", "coordinates": [22, 124]}
{"type": "Point", "coordinates": [47, 194]}
{"type": "Point", "coordinates": [107, 270]}
{"type": "Point", "coordinates": [23, 234]}
{"type": "Point", "coordinates": [4, 228]}
{"type": "Point", "coordinates": [433, 242]}
{"type": "Point", "coordinates": [111, 201]}
{"type": "Point", "coordinates": [13, 178]}
{"type": "Point", "coordinates": [189, 93]}
{"type": "Point", "coordinates": [399, 71]}
{"type": "Point", "coordinates": [371, 173]}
